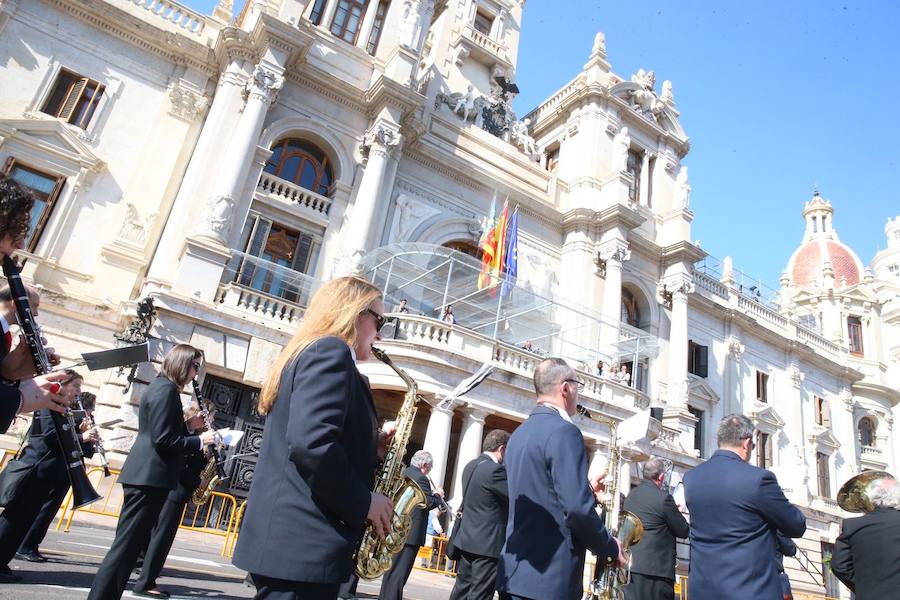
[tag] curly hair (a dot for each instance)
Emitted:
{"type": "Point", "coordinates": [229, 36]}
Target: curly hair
{"type": "Point", "coordinates": [16, 203]}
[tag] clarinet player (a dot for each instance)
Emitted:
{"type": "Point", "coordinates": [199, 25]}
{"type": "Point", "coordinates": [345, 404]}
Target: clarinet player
{"type": "Point", "coordinates": [312, 489]}
{"type": "Point", "coordinates": [152, 468]}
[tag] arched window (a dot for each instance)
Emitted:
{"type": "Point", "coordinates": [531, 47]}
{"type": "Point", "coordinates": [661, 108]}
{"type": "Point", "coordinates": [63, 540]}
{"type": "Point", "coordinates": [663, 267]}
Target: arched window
{"type": "Point", "coordinates": [631, 314]}
{"type": "Point", "coordinates": [464, 246]}
{"type": "Point", "coordinates": [866, 429]}
{"type": "Point", "coordinates": [302, 163]}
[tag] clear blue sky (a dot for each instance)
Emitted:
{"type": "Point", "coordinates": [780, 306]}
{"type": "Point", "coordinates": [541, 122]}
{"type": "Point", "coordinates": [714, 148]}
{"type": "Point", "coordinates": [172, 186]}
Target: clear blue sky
{"type": "Point", "coordinates": [777, 97]}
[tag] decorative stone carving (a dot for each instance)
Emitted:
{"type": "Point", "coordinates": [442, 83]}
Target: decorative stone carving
{"type": "Point", "coordinates": [462, 53]}
{"type": "Point", "coordinates": [498, 115]}
{"type": "Point", "coordinates": [735, 348]}
{"type": "Point", "coordinates": [219, 213]}
{"type": "Point", "coordinates": [410, 29]}
{"type": "Point", "coordinates": [264, 84]}
{"type": "Point", "coordinates": [519, 136]}
{"type": "Point", "coordinates": [667, 96]}
{"type": "Point", "coordinates": [682, 189]}
{"type": "Point", "coordinates": [380, 139]}
{"type": "Point", "coordinates": [617, 250]}
{"type": "Point", "coordinates": [621, 146]}
{"type": "Point", "coordinates": [468, 105]}
{"type": "Point", "coordinates": [186, 103]}
{"type": "Point", "coordinates": [644, 99]}
{"type": "Point", "coordinates": [410, 214]}
{"type": "Point", "coordinates": [599, 44]}
{"type": "Point", "coordinates": [133, 228]}
{"type": "Point", "coordinates": [645, 79]}
{"type": "Point", "coordinates": [796, 376]}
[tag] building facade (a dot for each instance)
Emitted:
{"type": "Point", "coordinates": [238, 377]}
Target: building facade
{"type": "Point", "coordinates": [223, 165]}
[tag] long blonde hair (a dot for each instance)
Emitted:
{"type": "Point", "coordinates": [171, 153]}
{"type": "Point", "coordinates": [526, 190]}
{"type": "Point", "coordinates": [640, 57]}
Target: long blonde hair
{"type": "Point", "coordinates": [332, 311]}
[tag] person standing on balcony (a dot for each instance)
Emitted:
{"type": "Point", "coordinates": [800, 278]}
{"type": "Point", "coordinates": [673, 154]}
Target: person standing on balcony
{"type": "Point", "coordinates": [311, 494]}
{"type": "Point", "coordinates": [152, 468]}
{"type": "Point", "coordinates": [448, 317]}
{"type": "Point", "coordinates": [153, 556]}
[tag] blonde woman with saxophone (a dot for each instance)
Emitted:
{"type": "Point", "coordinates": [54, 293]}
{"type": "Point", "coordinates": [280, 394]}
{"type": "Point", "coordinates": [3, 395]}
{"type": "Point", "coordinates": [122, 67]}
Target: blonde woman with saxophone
{"type": "Point", "coordinates": [311, 494]}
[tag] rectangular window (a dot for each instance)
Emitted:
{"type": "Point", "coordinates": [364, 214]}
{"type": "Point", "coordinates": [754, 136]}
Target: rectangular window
{"type": "Point", "coordinates": [283, 252]}
{"type": "Point", "coordinates": [634, 165]}
{"type": "Point", "coordinates": [823, 411]}
{"type": "Point", "coordinates": [73, 98]}
{"type": "Point", "coordinates": [347, 19]}
{"type": "Point", "coordinates": [699, 430]}
{"type": "Point", "coordinates": [698, 357]}
{"type": "Point", "coordinates": [824, 477]}
{"type": "Point", "coordinates": [315, 16]}
{"type": "Point", "coordinates": [483, 22]}
{"type": "Point", "coordinates": [552, 158]}
{"type": "Point", "coordinates": [651, 167]}
{"type": "Point", "coordinates": [377, 26]}
{"type": "Point", "coordinates": [763, 450]}
{"type": "Point", "coordinates": [45, 188]}
{"type": "Point", "coordinates": [762, 383]}
{"type": "Point", "coordinates": [832, 583]}
{"type": "Point", "coordinates": [854, 335]}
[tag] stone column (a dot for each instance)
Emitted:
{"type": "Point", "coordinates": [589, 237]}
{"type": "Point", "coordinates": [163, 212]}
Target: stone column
{"type": "Point", "coordinates": [328, 14]}
{"type": "Point", "coordinates": [207, 251]}
{"type": "Point", "coordinates": [365, 29]}
{"type": "Point", "coordinates": [732, 393]}
{"type": "Point", "coordinates": [437, 441]}
{"type": "Point", "coordinates": [469, 447]}
{"type": "Point", "coordinates": [361, 230]}
{"type": "Point", "coordinates": [644, 199]}
{"type": "Point", "coordinates": [613, 255]}
{"type": "Point", "coordinates": [678, 346]}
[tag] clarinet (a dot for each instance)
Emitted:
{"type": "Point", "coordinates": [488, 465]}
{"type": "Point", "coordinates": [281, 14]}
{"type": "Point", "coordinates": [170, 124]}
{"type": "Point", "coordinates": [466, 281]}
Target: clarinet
{"type": "Point", "coordinates": [98, 445]}
{"type": "Point", "coordinates": [83, 493]}
{"type": "Point", "coordinates": [210, 426]}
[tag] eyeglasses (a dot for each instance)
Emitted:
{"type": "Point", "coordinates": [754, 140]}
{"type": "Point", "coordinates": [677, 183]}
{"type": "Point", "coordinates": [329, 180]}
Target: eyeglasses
{"type": "Point", "coordinates": [196, 365]}
{"type": "Point", "coordinates": [379, 319]}
{"type": "Point", "coordinates": [578, 384]}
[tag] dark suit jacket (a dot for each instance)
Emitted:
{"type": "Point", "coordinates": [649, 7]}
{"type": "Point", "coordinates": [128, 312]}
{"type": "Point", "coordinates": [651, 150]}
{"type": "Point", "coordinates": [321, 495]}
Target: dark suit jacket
{"type": "Point", "coordinates": [419, 516]}
{"type": "Point", "coordinates": [551, 511]}
{"type": "Point", "coordinates": [9, 394]}
{"type": "Point", "coordinates": [867, 554]}
{"type": "Point", "coordinates": [486, 508]}
{"type": "Point", "coordinates": [655, 553]}
{"type": "Point", "coordinates": [311, 488]}
{"type": "Point", "coordinates": [157, 456]}
{"type": "Point", "coordinates": [736, 508]}
{"type": "Point", "coordinates": [44, 451]}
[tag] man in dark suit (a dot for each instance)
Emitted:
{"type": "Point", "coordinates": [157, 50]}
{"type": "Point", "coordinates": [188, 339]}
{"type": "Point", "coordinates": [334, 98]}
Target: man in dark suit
{"type": "Point", "coordinates": [552, 516]}
{"type": "Point", "coordinates": [784, 546]}
{"type": "Point", "coordinates": [867, 553]}
{"type": "Point", "coordinates": [736, 509]}
{"type": "Point", "coordinates": [152, 468]}
{"type": "Point", "coordinates": [482, 531]}
{"type": "Point", "coordinates": [653, 559]}
{"type": "Point", "coordinates": [392, 584]}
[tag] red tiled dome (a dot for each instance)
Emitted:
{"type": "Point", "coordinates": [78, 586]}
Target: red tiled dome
{"type": "Point", "coordinates": [805, 266]}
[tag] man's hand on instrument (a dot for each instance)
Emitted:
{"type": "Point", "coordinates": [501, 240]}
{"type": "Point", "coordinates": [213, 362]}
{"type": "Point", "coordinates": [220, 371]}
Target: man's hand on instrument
{"type": "Point", "coordinates": [43, 392]}
{"type": "Point", "coordinates": [84, 426]}
{"type": "Point", "coordinates": [620, 560]}
{"type": "Point", "coordinates": [598, 486]}
{"type": "Point", "coordinates": [91, 436]}
{"type": "Point", "coordinates": [18, 364]}
{"type": "Point", "coordinates": [438, 492]}
{"type": "Point", "coordinates": [381, 511]}
{"type": "Point", "coordinates": [208, 438]}
{"type": "Point", "coordinates": [385, 436]}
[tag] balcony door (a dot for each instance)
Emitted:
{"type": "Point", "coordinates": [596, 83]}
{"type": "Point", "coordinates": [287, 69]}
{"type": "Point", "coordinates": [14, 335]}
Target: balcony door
{"type": "Point", "coordinates": [275, 253]}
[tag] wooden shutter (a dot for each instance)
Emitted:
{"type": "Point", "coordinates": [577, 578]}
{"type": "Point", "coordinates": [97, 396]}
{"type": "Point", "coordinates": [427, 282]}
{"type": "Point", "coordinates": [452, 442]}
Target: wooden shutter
{"type": "Point", "coordinates": [255, 245]}
{"type": "Point", "coordinates": [71, 101]}
{"type": "Point", "coordinates": [702, 361]}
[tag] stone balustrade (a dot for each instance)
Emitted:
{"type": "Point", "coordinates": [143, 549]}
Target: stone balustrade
{"type": "Point", "coordinates": [270, 309]}
{"type": "Point", "coordinates": [315, 205]}
{"type": "Point", "coordinates": [175, 14]}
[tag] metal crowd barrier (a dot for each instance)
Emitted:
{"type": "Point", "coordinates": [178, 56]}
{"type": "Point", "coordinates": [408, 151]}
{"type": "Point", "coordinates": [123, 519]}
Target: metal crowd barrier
{"type": "Point", "coordinates": [217, 516]}
{"type": "Point", "coordinates": [434, 559]}
{"type": "Point", "coordinates": [231, 538]}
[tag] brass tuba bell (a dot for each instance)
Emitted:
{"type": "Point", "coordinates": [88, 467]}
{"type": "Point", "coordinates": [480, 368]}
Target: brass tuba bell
{"type": "Point", "coordinates": [855, 495]}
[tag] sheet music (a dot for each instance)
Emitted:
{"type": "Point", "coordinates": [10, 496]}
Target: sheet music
{"type": "Point", "coordinates": [230, 437]}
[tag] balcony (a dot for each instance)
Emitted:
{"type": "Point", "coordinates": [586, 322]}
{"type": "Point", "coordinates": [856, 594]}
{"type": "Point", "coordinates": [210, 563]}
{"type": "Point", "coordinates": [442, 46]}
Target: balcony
{"type": "Point", "coordinates": [264, 291]}
{"type": "Point", "coordinates": [872, 457]}
{"type": "Point", "coordinates": [311, 205]}
{"type": "Point", "coordinates": [482, 48]}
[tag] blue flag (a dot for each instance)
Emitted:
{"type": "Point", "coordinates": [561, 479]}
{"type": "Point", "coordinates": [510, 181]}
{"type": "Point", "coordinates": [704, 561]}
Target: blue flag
{"type": "Point", "coordinates": [511, 257]}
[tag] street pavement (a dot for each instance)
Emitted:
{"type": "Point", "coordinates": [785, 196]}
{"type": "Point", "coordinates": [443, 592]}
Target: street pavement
{"type": "Point", "coordinates": [195, 569]}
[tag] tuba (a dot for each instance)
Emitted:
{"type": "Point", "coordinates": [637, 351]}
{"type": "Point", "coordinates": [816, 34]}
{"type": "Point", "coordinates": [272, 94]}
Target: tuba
{"type": "Point", "coordinates": [374, 555]}
{"type": "Point", "coordinates": [855, 495]}
{"type": "Point", "coordinates": [609, 582]}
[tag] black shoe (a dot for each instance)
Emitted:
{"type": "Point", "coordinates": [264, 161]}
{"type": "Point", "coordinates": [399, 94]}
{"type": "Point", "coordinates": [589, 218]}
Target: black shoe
{"type": "Point", "coordinates": [150, 593]}
{"type": "Point", "coordinates": [7, 575]}
{"type": "Point", "coordinates": [33, 556]}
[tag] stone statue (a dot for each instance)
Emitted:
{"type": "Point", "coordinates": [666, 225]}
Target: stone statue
{"type": "Point", "coordinates": [621, 146]}
{"type": "Point", "coordinates": [465, 104]}
{"type": "Point", "coordinates": [667, 96]}
{"type": "Point", "coordinates": [645, 79]}
{"type": "Point", "coordinates": [682, 189]}
{"type": "Point", "coordinates": [410, 25]}
{"type": "Point", "coordinates": [519, 136]}
{"type": "Point", "coordinates": [599, 43]}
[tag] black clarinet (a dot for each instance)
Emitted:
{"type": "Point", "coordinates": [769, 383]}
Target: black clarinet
{"type": "Point", "coordinates": [83, 493]}
{"type": "Point", "coordinates": [213, 451]}
{"type": "Point", "coordinates": [98, 445]}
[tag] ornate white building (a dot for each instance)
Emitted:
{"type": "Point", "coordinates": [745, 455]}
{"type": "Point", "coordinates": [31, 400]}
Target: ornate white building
{"type": "Point", "coordinates": [224, 165]}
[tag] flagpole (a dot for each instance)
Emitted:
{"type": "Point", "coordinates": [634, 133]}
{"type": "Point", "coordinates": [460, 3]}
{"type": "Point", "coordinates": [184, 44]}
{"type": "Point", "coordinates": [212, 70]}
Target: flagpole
{"type": "Point", "coordinates": [447, 285]}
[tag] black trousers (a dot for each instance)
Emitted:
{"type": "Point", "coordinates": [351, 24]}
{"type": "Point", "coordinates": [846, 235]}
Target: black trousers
{"type": "Point", "coordinates": [269, 588]}
{"type": "Point", "coordinates": [162, 537]}
{"type": "Point", "coordinates": [139, 514]}
{"type": "Point", "coordinates": [648, 587]}
{"type": "Point", "coordinates": [348, 588]}
{"type": "Point", "coordinates": [17, 518]}
{"type": "Point", "coordinates": [475, 578]}
{"type": "Point", "coordinates": [394, 580]}
{"type": "Point", "coordinates": [38, 530]}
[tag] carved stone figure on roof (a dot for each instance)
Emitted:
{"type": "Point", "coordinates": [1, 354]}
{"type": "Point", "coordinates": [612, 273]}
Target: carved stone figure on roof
{"type": "Point", "coordinates": [682, 189]}
{"type": "Point", "coordinates": [667, 96]}
{"type": "Point", "coordinates": [520, 137]}
{"type": "Point", "coordinates": [645, 79]}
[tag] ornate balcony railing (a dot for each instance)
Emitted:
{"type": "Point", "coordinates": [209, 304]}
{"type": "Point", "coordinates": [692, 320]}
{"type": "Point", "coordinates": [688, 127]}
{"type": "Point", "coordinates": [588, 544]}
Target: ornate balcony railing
{"type": "Point", "coordinates": [315, 205]}
{"type": "Point", "coordinates": [262, 289]}
{"type": "Point", "coordinates": [172, 12]}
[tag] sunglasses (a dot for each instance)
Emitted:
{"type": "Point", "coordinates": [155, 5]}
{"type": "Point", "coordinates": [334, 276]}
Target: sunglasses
{"type": "Point", "coordinates": [379, 319]}
{"type": "Point", "coordinates": [578, 384]}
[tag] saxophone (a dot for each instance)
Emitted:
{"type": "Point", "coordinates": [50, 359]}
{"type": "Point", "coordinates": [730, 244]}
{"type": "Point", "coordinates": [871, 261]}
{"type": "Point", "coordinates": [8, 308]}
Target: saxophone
{"type": "Point", "coordinates": [373, 556]}
{"type": "Point", "coordinates": [609, 582]}
{"type": "Point", "coordinates": [212, 472]}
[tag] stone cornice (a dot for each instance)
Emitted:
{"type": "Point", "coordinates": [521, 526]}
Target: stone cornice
{"type": "Point", "coordinates": [682, 251]}
{"type": "Point", "coordinates": [328, 86]}
{"type": "Point", "coordinates": [294, 41]}
{"type": "Point", "coordinates": [106, 17]}
{"type": "Point", "coordinates": [387, 92]}
{"type": "Point", "coordinates": [234, 43]}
